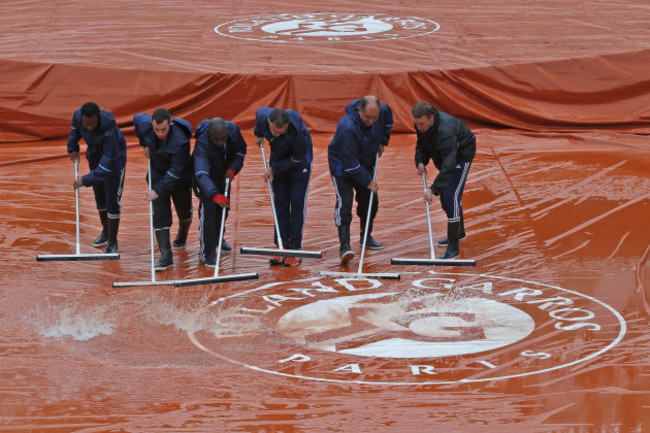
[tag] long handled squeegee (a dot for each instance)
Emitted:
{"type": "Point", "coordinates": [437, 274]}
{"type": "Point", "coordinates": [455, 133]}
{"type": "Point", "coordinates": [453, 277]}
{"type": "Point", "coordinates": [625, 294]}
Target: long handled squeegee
{"type": "Point", "coordinates": [218, 278]}
{"type": "Point", "coordinates": [430, 261]}
{"type": "Point", "coordinates": [153, 281]}
{"type": "Point", "coordinates": [360, 274]}
{"type": "Point", "coordinates": [280, 251]}
{"type": "Point", "coordinates": [77, 255]}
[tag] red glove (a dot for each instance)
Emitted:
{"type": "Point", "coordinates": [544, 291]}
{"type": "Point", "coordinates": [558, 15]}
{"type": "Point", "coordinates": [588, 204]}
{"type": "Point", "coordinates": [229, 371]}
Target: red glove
{"type": "Point", "coordinates": [231, 174]}
{"type": "Point", "coordinates": [221, 200]}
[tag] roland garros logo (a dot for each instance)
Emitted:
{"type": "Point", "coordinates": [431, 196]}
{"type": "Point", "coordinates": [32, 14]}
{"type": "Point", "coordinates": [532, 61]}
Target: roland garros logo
{"type": "Point", "coordinates": [430, 328]}
{"type": "Point", "coordinates": [327, 27]}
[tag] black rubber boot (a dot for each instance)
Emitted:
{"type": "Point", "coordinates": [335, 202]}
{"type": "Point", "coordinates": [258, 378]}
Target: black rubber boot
{"type": "Point", "coordinates": [210, 261]}
{"type": "Point", "coordinates": [166, 258]}
{"type": "Point", "coordinates": [181, 236]}
{"type": "Point", "coordinates": [444, 241]}
{"type": "Point", "coordinates": [103, 237]}
{"type": "Point", "coordinates": [453, 231]}
{"type": "Point", "coordinates": [345, 252]}
{"type": "Point", "coordinates": [112, 227]}
{"type": "Point", "coordinates": [370, 242]}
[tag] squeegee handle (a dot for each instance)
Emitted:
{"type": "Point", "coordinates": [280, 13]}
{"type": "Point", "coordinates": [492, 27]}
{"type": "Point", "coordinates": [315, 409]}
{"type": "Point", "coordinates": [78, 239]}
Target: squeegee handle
{"type": "Point", "coordinates": [275, 216]}
{"type": "Point", "coordinates": [365, 231]}
{"type": "Point", "coordinates": [153, 270]}
{"type": "Point", "coordinates": [76, 196]}
{"type": "Point", "coordinates": [426, 205]}
{"type": "Point", "coordinates": [221, 228]}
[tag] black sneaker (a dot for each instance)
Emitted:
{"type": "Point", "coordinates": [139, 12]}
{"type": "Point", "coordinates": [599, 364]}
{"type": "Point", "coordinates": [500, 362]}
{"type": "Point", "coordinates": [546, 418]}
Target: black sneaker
{"type": "Point", "coordinates": [225, 246]}
{"type": "Point", "coordinates": [371, 243]}
{"type": "Point", "coordinates": [179, 243]}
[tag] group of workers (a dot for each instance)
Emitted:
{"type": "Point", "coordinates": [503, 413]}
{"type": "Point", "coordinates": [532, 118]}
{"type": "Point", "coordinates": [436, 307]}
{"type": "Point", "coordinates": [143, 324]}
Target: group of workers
{"type": "Point", "coordinates": [218, 156]}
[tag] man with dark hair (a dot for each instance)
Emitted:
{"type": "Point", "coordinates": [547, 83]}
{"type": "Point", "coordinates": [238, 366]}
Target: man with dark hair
{"type": "Point", "coordinates": [166, 143]}
{"type": "Point", "coordinates": [361, 135]}
{"type": "Point", "coordinates": [219, 151]}
{"type": "Point", "coordinates": [289, 173]}
{"type": "Point", "coordinates": [452, 146]}
{"type": "Point", "coordinates": [106, 155]}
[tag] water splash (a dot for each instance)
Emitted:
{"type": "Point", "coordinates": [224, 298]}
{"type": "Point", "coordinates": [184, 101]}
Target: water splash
{"type": "Point", "coordinates": [198, 315]}
{"type": "Point", "coordinates": [80, 323]}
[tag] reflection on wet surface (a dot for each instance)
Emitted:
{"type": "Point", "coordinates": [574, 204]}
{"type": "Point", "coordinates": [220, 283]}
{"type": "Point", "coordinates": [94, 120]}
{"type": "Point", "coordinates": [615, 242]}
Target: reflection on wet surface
{"type": "Point", "coordinates": [566, 215]}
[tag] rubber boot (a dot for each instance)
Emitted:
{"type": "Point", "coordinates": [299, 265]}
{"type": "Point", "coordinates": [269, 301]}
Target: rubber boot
{"type": "Point", "coordinates": [453, 231]}
{"type": "Point", "coordinates": [101, 240]}
{"type": "Point", "coordinates": [444, 241]}
{"type": "Point", "coordinates": [112, 227]}
{"type": "Point", "coordinates": [210, 261]}
{"type": "Point", "coordinates": [370, 242]}
{"type": "Point", "coordinates": [166, 258]}
{"type": "Point", "coordinates": [181, 236]}
{"type": "Point", "coordinates": [345, 252]}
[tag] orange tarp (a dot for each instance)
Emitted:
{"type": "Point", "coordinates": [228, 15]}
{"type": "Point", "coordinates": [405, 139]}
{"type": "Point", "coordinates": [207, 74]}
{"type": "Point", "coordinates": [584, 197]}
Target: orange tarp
{"type": "Point", "coordinates": [556, 207]}
{"type": "Point", "coordinates": [604, 92]}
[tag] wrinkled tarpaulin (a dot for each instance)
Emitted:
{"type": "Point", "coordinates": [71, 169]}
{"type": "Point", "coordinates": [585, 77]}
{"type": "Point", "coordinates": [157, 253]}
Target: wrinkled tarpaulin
{"type": "Point", "coordinates": [601, 92]}
{"type": "Point", "coordinates": [552, 65]}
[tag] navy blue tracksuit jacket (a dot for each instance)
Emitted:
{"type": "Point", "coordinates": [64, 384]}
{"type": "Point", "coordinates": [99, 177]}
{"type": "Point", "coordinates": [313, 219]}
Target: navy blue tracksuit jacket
{"type": "Point", "coordinates": [171, 164]}
{"type": "Point", "coordinates": [352, 152]}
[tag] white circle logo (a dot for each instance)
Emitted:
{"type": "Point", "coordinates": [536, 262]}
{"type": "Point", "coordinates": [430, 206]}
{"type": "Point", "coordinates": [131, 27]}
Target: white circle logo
{"type": "Point", "coordinates": [400, 328]}
{"type": "Point", "coordinates": [327, 27]}
{"type": "Point", "coordinates": [430, 328]}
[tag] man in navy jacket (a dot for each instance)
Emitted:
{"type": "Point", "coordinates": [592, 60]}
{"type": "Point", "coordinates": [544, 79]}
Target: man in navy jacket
{"type": "Point", "coordinates": [166, 142]}
{"type": "Point", "coordinates": [106, 155]}
{"type": "Point", "coordinates": [361, 135]}
{"type": "Point", "coordinates": [219, 151]}
{"type": "Point", "coordinates": [452, 147]}
{"type": "Point", "coordinates": [289, 173]}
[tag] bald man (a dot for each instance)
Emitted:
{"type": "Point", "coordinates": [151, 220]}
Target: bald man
{"type": "Point", "coordinates": [361, 134]}
{"type": "Point", "coordinates": [219, 151]}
